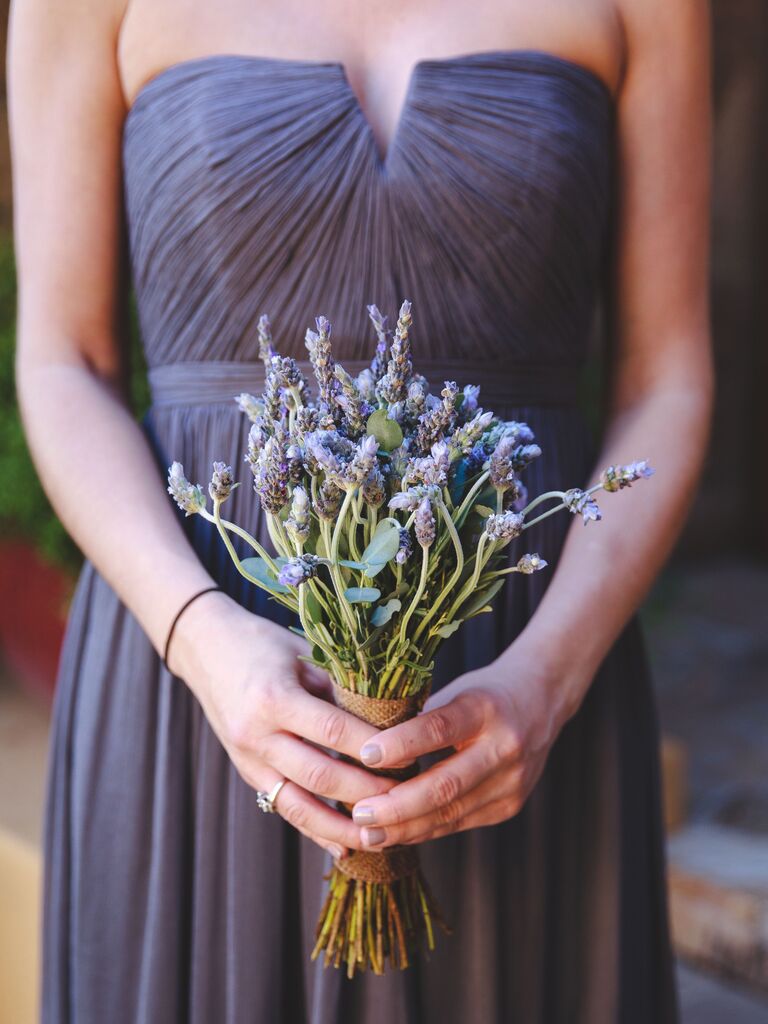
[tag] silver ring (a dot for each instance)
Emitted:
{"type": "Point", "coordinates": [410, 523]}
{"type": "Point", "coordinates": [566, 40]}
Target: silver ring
{"type": "Point", "coordinates": [266, 801]}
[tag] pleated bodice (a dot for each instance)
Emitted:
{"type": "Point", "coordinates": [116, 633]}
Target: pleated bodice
{"type": "Point", "coordinates": [254, 184]}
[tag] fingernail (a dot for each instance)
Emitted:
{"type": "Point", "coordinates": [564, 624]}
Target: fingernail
{"type": "Point", "coordinates": [374, 836]}
{"type": "Point", "coordinates": [371, 753]}
{"type": "Point", "coordinates": [337, 851]}
{"type": "Point", "coordinates": [364, 816]}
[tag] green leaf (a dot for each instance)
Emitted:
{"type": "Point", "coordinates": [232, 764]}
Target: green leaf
{"type": "Point", "coordinates": [314, 608]}
{"type": "Point", "coordinates": [383, 547]}
{"type": "Point", "coordinates": [318, 655]}
{"type": "Point", "coordinates": [483, 510]}
{"type": "Point", "coordinates": [384, 612]}
{"type": "Point", "coordinates": [258, 567]}
{"type": "Point", "coordinates": [449, 628]}
{"type": "Point", "coordinates": [478, 600]}
{"type": "Point", "coordinates": [387, 432]}
{"type": "Point", "coordinates": [361, 595]}
{"type": "Point", "coordinates": [362, 566]}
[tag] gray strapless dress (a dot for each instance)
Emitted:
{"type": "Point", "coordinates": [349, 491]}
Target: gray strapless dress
{"type": "Point", "coordinates": [254, 185]}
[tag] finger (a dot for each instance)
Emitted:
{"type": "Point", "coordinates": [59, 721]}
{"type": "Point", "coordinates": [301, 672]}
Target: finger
{"type": "Point", "coordinates": [490, 814]}
{"type": "Point", "coordinates": [271, 778]}
{"type": "Point", "coordinates": [498, 788]}
{"type": "Point", "coordinates": [445, 726]}
{"type": "Point", "coordinates": [318, 772]}
{"type": "Point", "coordinates": [312, 817]}
{"type": "Point", "coordinates": [320, 722]}
{"type": "Point", "coordinates": [440, 785]}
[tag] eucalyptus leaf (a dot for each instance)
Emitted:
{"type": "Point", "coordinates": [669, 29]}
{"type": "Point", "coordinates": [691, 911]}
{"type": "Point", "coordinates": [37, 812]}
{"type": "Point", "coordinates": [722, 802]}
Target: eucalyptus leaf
{"type": "Point", "coordinates": [361, 595]}
{"type": "Point", "coordinates": [449, 628]}
{"type": "Point", "coordinates": [348, 564]}
{"type": "Point", "coordinates": [478, 600]}
{"type": "Point", "coordinates": [258, 567]}
{"type": "Point", "coordinates": [383, 547]}
{"type": "Point", "coordinates": [384, 612]}
{"type": "Point", "coordinates": [314, 608]}
{"type": "Point", "coordinates": [386, 431]}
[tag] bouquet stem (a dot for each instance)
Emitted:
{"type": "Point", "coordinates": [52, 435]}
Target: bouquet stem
{"type": "Point", "coordinates": [379, 909]}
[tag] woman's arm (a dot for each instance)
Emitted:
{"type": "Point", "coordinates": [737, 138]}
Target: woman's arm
{"type": "Point", "coordinates": [504, 718]}
{"type": "Point", "coordinates": [66, 112]}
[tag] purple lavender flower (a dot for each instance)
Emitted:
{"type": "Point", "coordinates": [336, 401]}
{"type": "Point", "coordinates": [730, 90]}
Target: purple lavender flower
{"type": "Point", "coordinates": [258, 436]}
{"type": "Point", "coordinates": [516, 498]}
{"type": "Point", "coordinates": [374, 493]}
{"type": "Point", "coordinates": [328, 501]}
{"type": "Point", "coordinates": [271, 475]}
{"type": "Point", "coordinates": [393, 386]}
{"type": "Point", "coordinates": [407, 501]}
{"type": "Point", "coordinates": [298, 570]}
{"type": "Point", "coordinates": [366, 386]}
{"type": "Point", "coordinates": [468, 434]}
{"type": "Point", "coordinates": [349, 401]}
{"type": "Point", "coordinates": [531, 563]}
{"type": "Point", "coordinates": [614, 478]}
{"type": "Point", "coordinates": [406, 547]}
{"type": "Point", "coordinates": [266, 351]}
{"type": "Point", "coordinates": [189, 497]}
{"type": "Point", "coordinates": [379, 361]}
{"type": "Point", "coordinates": [319, 347]}
{"type": "Point", "coordinates": [469, 402]}
{"type": "Point", "coordinates": [424, 523]}
{"type": "Point", "coordinates": [502, 473]}
{"type": "Point", "coordinates": [436, 422]}
{"type": "Point", "coordinates": [581, 503]}
{"type": "Point", "coordinates": [362, 462]}
{"type": "Point", "coordinates": [222, 482]}
{"type": "Point", "coordinates": [298, 522]}
{"type": "Point", "coordinates": [431, 470]}
{"type": "Point", "coordinates": [504, 526]}
{"type": "Point", "coordinates": [250, 405]}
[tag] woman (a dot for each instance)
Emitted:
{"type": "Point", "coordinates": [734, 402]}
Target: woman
{"type": "Point", "coordinates": [487, 163]}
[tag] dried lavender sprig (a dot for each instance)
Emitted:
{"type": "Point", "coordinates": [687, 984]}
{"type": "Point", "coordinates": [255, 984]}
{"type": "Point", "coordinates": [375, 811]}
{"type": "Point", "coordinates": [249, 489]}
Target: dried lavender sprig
{"type": "Point", "coordinates": [379, 361]}
{"type": "Point", "coordinates": [393, 387]}
{"type": "Point", "coordinates": [189, 497]}
{"type": "Point", "coordinates": [264, 330]}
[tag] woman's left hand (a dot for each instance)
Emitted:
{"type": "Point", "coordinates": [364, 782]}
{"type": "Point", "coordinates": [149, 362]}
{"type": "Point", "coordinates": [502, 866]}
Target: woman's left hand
{"type": "Point", "coordinates": [500, 720]}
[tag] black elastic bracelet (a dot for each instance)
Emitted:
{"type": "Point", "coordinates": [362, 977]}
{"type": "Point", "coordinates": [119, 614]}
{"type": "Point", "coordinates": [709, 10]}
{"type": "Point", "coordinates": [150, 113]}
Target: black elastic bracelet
{"type": "Point", "coordinates": [176, 619]}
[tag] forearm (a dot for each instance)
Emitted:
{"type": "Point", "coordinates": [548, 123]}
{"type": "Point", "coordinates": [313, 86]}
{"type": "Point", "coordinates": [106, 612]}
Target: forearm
{"type": "Point", "coordinates": [606, 569]}
{"type": "Point", "coordinates": [101, 479]}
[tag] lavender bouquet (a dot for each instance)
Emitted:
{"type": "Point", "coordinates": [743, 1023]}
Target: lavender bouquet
{"type": "Point", "coordinates": [389, 510]}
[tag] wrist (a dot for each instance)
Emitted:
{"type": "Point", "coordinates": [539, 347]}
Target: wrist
{"type": "Point", "coordinates": [552, 668]}
{"type": "Point", "coordinates": [199, 628]}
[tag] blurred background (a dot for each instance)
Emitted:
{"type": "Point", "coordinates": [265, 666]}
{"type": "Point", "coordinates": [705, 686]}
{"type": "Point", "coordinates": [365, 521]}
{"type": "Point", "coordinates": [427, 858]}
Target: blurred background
{"type": "Point", "coordinates": [706, 620]}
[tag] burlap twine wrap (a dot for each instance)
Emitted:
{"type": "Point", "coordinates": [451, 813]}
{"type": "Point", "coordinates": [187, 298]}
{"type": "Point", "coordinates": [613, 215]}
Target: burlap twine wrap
{"type": "Point", "coordinates": [396, 861]}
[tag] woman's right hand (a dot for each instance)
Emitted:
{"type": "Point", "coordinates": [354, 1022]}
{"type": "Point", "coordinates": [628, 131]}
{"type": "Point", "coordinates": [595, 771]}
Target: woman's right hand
{"type": "Point", "coordinates": [273, 716]}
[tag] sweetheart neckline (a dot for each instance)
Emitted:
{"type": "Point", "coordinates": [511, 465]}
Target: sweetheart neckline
{"type": "Point", "coordinates": [519, 56]}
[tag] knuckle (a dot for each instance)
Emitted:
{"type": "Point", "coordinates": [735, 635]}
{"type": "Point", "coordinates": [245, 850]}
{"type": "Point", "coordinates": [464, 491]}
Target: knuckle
{"type": "Point", "coordinates": [320, 778]}
{"type": "Point", "coordinates": [445, 788]}
{"type": "Point", "coordinates": [296, 814]}
{"type": "Point", "coordinates": [450, 814]}
{"type": "Point", "coordinates": [438, 725]}
{"type": "Point", "coordinates": [509, 747]}
{"type": "Point", "coordinates": [333, 728]}
{"type": "Point", "coordinates": [237, 730]}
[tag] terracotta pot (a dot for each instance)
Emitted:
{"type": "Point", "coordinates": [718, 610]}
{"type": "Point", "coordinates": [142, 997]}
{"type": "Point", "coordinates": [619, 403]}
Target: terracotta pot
{"type": "Point", "coordinates": [34, 598]}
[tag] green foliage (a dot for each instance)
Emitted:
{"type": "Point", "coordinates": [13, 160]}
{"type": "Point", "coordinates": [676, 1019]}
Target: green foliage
{"type": "Point", "coordinates": [25, 511]}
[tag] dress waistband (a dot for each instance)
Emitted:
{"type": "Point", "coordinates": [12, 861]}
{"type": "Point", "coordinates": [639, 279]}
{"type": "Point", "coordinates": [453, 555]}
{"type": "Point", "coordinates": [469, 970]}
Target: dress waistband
{"type": "Point", "coordinates": [520, 384]}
